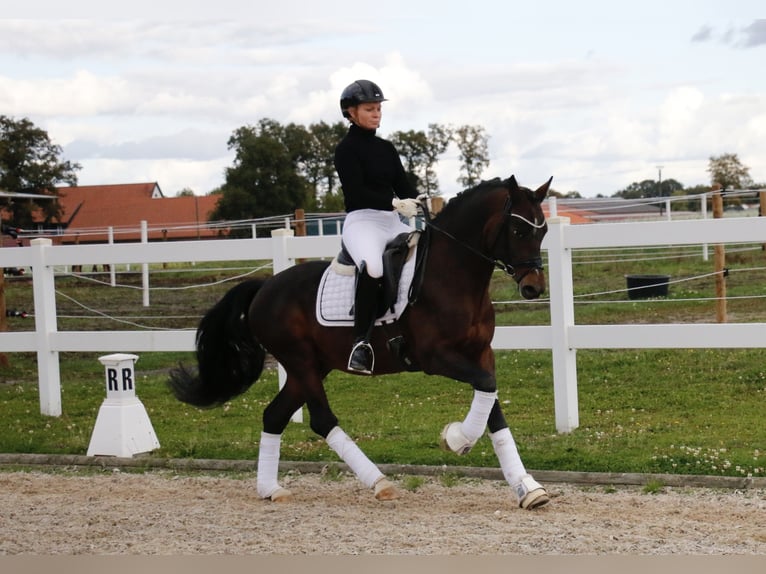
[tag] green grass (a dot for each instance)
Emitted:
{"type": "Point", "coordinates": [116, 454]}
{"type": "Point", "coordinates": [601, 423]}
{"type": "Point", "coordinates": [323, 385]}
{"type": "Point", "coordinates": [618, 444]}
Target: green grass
{"type": "Point", "coordinates": [657, 411]}
{"type": "Point", "coordinates": [684, 412]}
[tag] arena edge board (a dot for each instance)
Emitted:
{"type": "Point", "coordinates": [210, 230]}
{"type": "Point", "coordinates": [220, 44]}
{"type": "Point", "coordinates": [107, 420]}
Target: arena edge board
{"type": "Point", "coordinates": [549, 476]}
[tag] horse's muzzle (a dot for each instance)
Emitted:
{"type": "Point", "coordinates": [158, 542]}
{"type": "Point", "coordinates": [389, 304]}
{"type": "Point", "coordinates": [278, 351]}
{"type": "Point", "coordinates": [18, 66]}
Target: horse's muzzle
{"type": "Point", "coordinates": [532, 283]}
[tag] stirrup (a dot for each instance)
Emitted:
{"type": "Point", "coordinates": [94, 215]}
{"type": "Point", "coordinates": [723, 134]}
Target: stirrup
{"type": "Point", "coordinates": [362, 358]}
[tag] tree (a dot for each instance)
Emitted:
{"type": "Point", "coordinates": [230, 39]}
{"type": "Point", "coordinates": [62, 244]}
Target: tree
{"type": "Point", "coordinates": [264, 180]}
{"type": "Point", "coordinates": [319, 165]}
{"type": "Point", "coordinates": [439, 138]}
{"type": "Point", "coordinates": [411, 146]}
{"type": "Point", "coordinates": [727, 171]}
{"type": "Point", "coordinates": [650, 188]}
{"type": "Point", "coordinates": [420, 152]}
{"type": "Point", "coordinates": [472, 142]}
{"type": "Point", "coordinates": [30, 163]}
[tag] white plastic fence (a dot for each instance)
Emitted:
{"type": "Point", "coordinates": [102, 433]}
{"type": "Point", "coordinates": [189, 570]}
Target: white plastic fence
{"type": "Point", "coordinates": [563, 337]}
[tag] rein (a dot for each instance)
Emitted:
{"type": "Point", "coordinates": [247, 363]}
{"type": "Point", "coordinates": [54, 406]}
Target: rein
{"type": "Point", "coordinates": [535, 263]}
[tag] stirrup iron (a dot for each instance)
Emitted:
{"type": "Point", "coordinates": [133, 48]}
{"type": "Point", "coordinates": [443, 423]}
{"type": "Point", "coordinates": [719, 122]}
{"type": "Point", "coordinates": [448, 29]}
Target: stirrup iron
{"type": "Point", "coordinates": [359, 365]}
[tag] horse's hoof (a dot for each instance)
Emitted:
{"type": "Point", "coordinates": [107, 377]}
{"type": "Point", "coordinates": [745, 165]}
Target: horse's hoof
{"type": "Point", "coordinates": [385, 490]}
{"type": "Point", "coordinates": [453, 439]}
{"type": "Point", "coordinates": [531, 494]}
{"type": "Point", "coordinates": [281, 495]}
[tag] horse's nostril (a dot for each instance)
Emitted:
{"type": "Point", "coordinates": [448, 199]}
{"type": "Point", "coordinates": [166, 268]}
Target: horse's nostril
{"type": "Point", "coordinates": [530, 292]}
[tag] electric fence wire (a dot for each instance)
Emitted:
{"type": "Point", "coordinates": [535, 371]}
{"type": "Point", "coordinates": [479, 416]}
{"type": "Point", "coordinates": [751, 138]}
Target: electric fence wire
{"type": "Point", "coordinates": [103, 315]}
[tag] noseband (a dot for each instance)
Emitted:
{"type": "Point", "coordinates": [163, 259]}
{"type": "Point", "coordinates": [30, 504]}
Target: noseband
{"type": "Point", "coordinates": [533, 264]}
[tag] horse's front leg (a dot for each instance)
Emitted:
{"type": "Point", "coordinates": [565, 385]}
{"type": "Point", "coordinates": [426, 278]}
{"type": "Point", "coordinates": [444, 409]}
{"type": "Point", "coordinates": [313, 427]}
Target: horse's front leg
{"type": "Point", "coordinates": [460, 437]}
{"type": "Point", "coordinates": [529, 492]}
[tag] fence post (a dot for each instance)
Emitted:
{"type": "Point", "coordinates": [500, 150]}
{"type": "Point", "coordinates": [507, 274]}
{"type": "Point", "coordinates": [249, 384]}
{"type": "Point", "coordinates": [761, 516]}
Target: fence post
{"type": "Point", "coordinates": [43, 287]}
{"type": "Point", "coordinates": [280, 262]}
{"type": "Point", "coordinates": [703, 211]}
{"type": "Point", "coordinates": [3, 320]}
{"type": "Point", "coordinates": [719, 260]}
{"type": "Point", "coordinates": [145, 266]}
{"type": "Point", "coordinates": [112, 266]}
{"type": "Point", "coordinates": [762, 210]}
{"type": "Point", "coordinates": [562, 319]}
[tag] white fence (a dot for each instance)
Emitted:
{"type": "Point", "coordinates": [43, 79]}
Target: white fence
{"type": "Point", "coordinates": [563, 337]}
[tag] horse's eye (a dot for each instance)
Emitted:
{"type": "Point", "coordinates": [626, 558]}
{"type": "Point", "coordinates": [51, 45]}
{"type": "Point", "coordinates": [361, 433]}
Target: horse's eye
{"type": "Point", "coordinates": [520, 233]}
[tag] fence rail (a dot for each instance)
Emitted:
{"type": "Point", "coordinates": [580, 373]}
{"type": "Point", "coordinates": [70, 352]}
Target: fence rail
{"type": "Point", "coordinates": [563, 337]}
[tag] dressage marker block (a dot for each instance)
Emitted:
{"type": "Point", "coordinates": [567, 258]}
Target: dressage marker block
{"type": "Point", "coordinates": [122, 426]}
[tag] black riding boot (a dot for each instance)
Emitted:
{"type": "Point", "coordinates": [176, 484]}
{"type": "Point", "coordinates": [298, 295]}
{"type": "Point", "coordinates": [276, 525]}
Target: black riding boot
{"type": "Point", "coordinates": [362, 359]}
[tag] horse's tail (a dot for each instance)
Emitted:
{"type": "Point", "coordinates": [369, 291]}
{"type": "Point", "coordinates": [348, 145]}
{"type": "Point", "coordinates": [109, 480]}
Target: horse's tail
{"type": "Point", "coordinates": [229, 358]}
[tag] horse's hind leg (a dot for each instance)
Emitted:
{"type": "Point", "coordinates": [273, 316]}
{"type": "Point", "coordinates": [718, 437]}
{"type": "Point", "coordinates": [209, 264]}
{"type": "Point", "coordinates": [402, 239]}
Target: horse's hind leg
{"type": "Point", "coordinates": [276, 416]}
{"type": "Point", "coordinates": [325, 424]}
{"type": "Point", "coordinates": [528, 491]}
{"type": "Point", "coordinates": [364, 469]}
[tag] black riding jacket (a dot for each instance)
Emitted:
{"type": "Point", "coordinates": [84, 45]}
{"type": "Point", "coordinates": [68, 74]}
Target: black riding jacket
{"type": "Point", "coordinates": [370, 171]}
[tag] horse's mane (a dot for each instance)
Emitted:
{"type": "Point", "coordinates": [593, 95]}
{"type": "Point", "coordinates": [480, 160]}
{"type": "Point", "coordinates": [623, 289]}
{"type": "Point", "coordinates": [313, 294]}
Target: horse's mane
{"type": "Point", "coordinates": [464, 196]}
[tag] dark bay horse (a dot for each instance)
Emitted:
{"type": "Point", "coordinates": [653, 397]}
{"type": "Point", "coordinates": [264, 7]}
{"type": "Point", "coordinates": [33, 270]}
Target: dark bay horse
{"type": "Point", "coordinates": [446, 331]}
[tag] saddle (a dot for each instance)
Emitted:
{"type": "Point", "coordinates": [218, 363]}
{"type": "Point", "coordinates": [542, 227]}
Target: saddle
{"type": "Point", "coordinates": [335, 295]}
{"type": "Point", "coordinates": [396, 254]}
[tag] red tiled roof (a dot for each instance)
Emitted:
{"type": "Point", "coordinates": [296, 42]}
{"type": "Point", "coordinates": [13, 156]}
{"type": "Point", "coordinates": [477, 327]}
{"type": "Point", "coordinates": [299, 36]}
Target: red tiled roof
{"type": "Point", "coordinates": [575, 216]}
{"type": "Point", "coordinates": [88, 210]}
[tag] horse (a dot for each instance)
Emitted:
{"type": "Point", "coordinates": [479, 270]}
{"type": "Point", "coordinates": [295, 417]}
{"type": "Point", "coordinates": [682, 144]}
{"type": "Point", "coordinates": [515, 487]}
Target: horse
{"type": "Point", "coordinates": [446, 329]}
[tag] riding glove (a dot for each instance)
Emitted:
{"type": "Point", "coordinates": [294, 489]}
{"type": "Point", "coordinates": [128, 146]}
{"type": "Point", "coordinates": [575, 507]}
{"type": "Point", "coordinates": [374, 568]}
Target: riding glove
{"type": "Point", "coordinates": [407, 207]}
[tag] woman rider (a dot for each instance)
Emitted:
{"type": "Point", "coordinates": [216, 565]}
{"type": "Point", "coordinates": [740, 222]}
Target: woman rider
{"type": "Point", "coordinates": [375, 190]}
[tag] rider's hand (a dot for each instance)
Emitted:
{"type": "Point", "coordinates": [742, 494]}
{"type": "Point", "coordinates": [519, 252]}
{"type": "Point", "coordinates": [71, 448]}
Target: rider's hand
{"type": "Point", "coordinates": [407, 207]}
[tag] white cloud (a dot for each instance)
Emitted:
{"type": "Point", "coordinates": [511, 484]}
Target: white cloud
{"type": "Point", "coordinates": [81, 94]}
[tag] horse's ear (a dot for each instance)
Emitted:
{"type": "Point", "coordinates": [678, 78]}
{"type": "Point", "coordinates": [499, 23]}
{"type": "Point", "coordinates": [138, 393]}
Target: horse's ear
{"type": "Point", "coordinates": [512, 183]}
{"type": "Point", "coordinates": [542, 191]}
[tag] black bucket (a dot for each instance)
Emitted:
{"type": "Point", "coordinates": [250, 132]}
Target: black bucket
{"type": "Point", "coordinates": [645, 286]}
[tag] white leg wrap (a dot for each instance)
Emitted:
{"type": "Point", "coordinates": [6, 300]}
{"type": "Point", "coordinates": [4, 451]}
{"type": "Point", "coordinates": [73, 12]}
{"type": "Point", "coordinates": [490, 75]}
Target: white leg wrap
{"type": "Point", "coordinates": [508, 455]}
{"type": "Point", "coordinates": [529, 492]}
{"type": "Point", "coordinates": [453, 439]}
{"type": "Point", "coordinates": [353, 456]}
{"type": "Point", "coordinates": [268, 464]}
{"type": "Point", "coordinates": [476, 420]}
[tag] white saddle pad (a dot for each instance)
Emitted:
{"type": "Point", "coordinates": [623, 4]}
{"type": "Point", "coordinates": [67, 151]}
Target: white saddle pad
{"type": "Point", "coordinates": [336, 295]}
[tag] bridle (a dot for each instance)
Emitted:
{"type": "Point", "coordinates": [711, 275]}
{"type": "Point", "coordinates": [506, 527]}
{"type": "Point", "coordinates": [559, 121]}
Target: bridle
{"type": "Point", "coordinates": [533, 264]}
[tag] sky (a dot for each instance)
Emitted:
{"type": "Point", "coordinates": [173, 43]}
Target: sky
{"type": "Point", "coordinates": [597, 94]}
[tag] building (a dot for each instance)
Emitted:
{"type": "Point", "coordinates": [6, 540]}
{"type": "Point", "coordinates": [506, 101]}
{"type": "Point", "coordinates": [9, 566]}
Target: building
{"type": "Point", "coordinates": [89, 211]}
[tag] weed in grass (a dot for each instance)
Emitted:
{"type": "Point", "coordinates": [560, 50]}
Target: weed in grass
{"type": "Point", "coordinates": [653, 486]}
{"type": "Point", "coordinates": [449, 479]}
{"type": "Point", "coordinates": [412, 482]}
{"type": "Point", "coordinates": [710, 461]}
{"type": "Point", "coordinates": [332, 473]}
{"type": "Point", "coordinates": [609, 489]}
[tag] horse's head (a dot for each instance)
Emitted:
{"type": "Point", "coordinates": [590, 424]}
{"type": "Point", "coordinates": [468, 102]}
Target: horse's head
{"type": "Point", "coordinates": [518, 236]}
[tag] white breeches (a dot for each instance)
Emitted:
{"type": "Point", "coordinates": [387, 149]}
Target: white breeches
{"type": "Point", "coordinates": [365, 234]}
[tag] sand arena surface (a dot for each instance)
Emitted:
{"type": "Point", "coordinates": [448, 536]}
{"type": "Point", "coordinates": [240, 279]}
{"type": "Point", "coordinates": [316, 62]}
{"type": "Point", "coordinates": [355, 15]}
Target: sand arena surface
{"type": "Point", "coordinates": [169, 513]}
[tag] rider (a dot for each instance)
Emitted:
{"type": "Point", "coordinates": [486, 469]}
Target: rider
{"type": "Point", "coordinates": [375, 187]}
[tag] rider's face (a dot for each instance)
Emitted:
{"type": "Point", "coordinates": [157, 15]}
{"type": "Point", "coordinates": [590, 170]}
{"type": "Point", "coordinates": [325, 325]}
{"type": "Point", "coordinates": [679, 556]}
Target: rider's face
{"type": "Point", "coordinates": [367, 115]}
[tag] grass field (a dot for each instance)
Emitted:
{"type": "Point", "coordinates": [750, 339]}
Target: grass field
{"type": "Point", "coordinates": [678, 411]}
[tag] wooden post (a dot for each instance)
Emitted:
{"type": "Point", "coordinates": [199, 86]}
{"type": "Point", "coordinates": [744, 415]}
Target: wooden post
{"type": "Point", "coordinates": [300, 223]}
{"type": "Point", "coordinates": [720, 260]}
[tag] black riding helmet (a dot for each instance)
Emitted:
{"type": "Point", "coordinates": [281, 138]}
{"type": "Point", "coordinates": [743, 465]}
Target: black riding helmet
{"type": "Point", "coordinates": [359, 92]}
